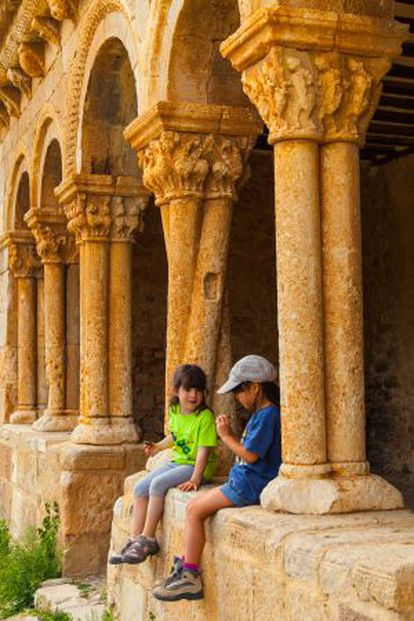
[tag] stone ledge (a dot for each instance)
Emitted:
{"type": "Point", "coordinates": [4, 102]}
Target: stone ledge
{"type": "Point", "coordinates": [351, 567]}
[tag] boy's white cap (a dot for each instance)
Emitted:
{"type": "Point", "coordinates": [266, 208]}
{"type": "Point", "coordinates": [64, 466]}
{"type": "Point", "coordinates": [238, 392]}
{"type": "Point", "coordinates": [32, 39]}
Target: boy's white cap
{"type": "Point", "coordinates": [249, 369]}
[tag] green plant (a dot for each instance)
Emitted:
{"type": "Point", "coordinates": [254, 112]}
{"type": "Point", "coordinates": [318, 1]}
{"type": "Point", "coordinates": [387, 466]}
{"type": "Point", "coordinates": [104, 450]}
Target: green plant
{"type": "Point", "coordinates": [47, 615]}
{"type": "Point", "coordinates": [25, 564]}
{"type": "Point", "coordinates": [84, 589]}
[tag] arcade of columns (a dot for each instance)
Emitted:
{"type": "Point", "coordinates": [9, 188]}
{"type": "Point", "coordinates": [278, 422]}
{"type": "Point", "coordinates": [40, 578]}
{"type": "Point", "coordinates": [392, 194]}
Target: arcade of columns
{"type": "Point", "coordinates": [315, 79]}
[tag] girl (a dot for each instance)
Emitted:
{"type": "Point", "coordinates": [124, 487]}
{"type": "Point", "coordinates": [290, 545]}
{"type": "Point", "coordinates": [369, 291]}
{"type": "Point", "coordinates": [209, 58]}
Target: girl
{"type": "Point", "coordinates": [192, 436]}
{"type": "Point", "coordinates": [258, 458]}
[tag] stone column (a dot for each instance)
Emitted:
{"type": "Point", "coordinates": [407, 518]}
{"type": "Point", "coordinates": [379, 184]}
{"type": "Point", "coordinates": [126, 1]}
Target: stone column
{"type": "Point", "coordinates": [54, 246]}
{"type": "Point", "coordinates": [24, 263]}
{"type": "Point", "coordinates": [191, 156]}
{"type": "Point", "coordinates": [88, 201]}
{"type": "Point", "coordinates": [306, 84]}
{"type": "Point", "coordinates": [126, 220]}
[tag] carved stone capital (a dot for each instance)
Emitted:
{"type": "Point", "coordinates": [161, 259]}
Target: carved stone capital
{"type": "Point", "coordinates": [193, 150]}
{"type": "Point", "coordinates": [11, 97]}
{"type": "Point", "coordinates": [89, 217]}
{"type": "Point", "coordinates": [127, 217]}
{"type": "Point", "coordinates": [4, 116]}
{"type": "Point", "coordinates": [314, 74]}
{"type": "Point", "coordinates": [23, 260]}
{"type": "Point", "coordinates": [62, 9]}
{"type": "Point", "coordinates": [175, 165]}
{"type": "Point", "coordinates": [47, 28]}
{"type": "Point", "coordinates": [323, 96]}
{"type": "Point", "coordinates": [102, 207]}
{"type": "Point", "coordinates": [20, 80]}
{"type": "Point", "coordinates": [32, 58]}
{"type": "Point", "coordinates": [53, 243]}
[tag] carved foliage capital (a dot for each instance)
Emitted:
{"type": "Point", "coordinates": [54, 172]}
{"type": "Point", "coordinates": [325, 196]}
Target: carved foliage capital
{"type": "Point", "coordinates": [52, 242]}
{"type": "Point", "coordinates": [47, 28]}
{"type": "Point", "coordinates": [322, 96]}
{"type": "Point", "coordinates": [127, 217]}
{"type": "Point", "coordinates": [32, 59]}
{"type": "Point", "coordinates": [62, 9]}
{"type": "Point", "coordinates": [23, 260]}
{"type": "Point", "coordinates": [184, 164]}
{"type": "Point", "coordinates": [20, 80]}
{"type": "Point", "coordinates": [11, 97]}
{"type": "Point", "coordinates": [89, 217]}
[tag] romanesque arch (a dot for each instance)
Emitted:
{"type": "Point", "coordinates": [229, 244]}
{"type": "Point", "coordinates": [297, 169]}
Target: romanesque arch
{"type": "Point", "coordinates": [47, 130]}
{"type": "Point", "coordinates": [105, 18]}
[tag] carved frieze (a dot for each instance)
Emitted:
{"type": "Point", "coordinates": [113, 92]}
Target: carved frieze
{"type": "Point", "coordinates": [20, 80]}
{"type": "Point", "coordinates": [32, 58]}
{"type": "Point", "coordinates": [315, 95]}
{"type": "Point", "coordinates": [11, 97]}
{"type": "Point", "coordinates": [23, 260]}
{"type": "Point", "coordinates": [47, 28]}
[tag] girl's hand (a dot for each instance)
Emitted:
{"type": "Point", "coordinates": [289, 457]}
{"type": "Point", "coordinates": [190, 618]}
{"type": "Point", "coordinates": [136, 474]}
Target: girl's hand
{"type": "Point", "coordinates": [189, 486]}
{"type": "Point", "coordinates": [149, 448]}
{"type": "Point", "coordinates": [223, 426]}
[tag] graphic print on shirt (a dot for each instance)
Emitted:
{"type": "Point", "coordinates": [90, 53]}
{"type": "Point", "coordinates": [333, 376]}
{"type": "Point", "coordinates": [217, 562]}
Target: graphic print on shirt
{"type": "Point", "coordinates": [239, 460]}
{"type": "Point", "coordinates": [186, 448]}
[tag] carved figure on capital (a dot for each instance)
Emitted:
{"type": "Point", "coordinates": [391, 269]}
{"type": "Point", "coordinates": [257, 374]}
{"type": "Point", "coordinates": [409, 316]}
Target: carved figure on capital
{"type": "Point", "coordinates": [229, 169]}
{"type": "Point", "coordinates": [127, 217]}
{"type": "Point", "coordinates": [174, 165]}
{"type": "Point", "coordinates": [47, 28]}
{"type": "Point", "coordinates": [62, 9]}
{"type": "Point", "coordinates": [11, 97]}
{"type": "Point", "coordinates": [23, 260]}
{"type": "Point", "coordinates": [50, 243]}
{"type": "Point", "coordinates": [89, 217]}
{"type": "Point", "coordinates": [20, 80]}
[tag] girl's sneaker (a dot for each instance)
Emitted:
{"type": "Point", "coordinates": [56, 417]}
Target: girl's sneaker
{"type": "Point", "coordinates": [176, 568]}
{"type": "Point", "coordinates": [117, 559]}
{"type": "Point", "coordinates": [184, 584]}
{"type": "Point", "coordinates": [140, 549]}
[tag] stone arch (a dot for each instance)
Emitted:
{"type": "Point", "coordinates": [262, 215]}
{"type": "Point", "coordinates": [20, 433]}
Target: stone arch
{"type": "Point", "coordinates": [99, 23]}
{"type": "Point", "coordinates": [185, 51]}
{"type": "Point", "coordinates": [19, 170]}
{"type": "Point", "coordinates": [47, 131]}
{"type": "Point", "coordinates": [110, 104]}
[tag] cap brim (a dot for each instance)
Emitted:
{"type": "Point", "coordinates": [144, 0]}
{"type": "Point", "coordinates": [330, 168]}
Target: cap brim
{"type": "Point", "coordinates": [227, 387]}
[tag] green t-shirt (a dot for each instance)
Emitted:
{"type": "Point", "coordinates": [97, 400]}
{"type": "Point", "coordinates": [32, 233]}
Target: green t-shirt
{"type": "Point", "coordinates": [189, 431]}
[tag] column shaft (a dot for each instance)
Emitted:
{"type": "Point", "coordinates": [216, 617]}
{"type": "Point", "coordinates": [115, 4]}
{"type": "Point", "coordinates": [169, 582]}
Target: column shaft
{"type": "Point", "coordinates": [343, 306]}
{"type": "Point", "coordinates": [209, 286]}
{"type": "Point", "coordinates": [55, 335]}
{"type": "Point", "coordinates": [298, 247]}
{"type": "Point", "coordinates": [26, 351]}
{"type": "Point", "coordinates": [120, 346]}
{"type": "Point", "coordinates": [94, 326]}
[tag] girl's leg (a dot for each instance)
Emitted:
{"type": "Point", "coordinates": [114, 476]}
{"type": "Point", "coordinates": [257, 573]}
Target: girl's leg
{"type": "Point", "coordinates": [198, 510]}
{"type": "Point", "coordinates": [138, 516]}
{"type": "Point", "coordinates": [158, 488]}
{"type": "Point", "coordinates": [141, 494]}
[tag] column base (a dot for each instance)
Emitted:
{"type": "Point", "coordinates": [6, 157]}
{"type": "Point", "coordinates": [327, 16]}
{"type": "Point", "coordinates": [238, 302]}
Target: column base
{"type": "Point", "coordinates": [335, 494]}
{"type": "Point", "coordinates": [105, 430]}
{"type": "Point", "coordinates": [56, 420]}
{"type": "Point", "coordinates": [23, 417]}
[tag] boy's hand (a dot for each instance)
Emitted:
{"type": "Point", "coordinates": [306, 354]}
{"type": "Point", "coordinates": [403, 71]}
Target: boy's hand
{"type": "Point", "coordinates": [189, 486]}
{"type": "Point", "coordinates": [223, 426]}
{"type": "Point", "coordinates": [149, 448]}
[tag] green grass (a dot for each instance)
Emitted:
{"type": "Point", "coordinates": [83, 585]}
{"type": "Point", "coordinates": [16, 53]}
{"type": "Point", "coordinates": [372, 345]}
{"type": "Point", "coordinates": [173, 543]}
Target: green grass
{"type": "Point", "coordinates": [26, 563]}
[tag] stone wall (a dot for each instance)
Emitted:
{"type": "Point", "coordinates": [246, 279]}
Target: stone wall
{"type": "Point", "coordinates": [388, 251]}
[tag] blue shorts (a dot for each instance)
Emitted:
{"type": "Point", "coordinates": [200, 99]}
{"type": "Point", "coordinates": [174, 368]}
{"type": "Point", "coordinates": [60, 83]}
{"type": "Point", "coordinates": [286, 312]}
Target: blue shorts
{"type": "Point", "coordinates": [228, 490]}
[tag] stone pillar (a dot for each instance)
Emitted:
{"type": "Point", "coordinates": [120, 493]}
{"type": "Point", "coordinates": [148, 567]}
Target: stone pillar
{"type": "Point", "coordinates": [24, 263]}
{"type": "Point", "coordinates": [91, 204]}
{"type": "Point", "coordinates": [54, 246]}
{"type": "Point", "coordinates": [315, 81]}
{"type": "Point", "coordinates": [192, 156]}
{"type": "Point", "coordinates": [126, 221]}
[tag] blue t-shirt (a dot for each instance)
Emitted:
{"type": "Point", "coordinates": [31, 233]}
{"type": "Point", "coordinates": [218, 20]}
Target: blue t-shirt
{"type": "Point", "coordinates": [262, 437]}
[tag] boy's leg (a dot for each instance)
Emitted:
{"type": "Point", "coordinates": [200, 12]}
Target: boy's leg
{"type": "Point", "coordinates": [198, 510]}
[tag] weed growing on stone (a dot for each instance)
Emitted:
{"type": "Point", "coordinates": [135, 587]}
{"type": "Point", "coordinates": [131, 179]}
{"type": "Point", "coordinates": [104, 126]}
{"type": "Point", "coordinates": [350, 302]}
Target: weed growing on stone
{"type": "Point", "coordinates": [47, 615]}
{"type": "Point", "coordinates": [26, 563]}
{"type": "Point", "coordinates": [84, 589]}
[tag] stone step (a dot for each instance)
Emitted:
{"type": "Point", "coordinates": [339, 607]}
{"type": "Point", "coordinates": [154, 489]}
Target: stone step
{"type": "Point", "coordinates": [84, 600]}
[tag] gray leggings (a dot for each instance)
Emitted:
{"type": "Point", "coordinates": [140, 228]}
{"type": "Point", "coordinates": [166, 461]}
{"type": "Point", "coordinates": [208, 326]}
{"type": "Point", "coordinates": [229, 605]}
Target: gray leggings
{"type": "Point", "coordinates": [159, 481]}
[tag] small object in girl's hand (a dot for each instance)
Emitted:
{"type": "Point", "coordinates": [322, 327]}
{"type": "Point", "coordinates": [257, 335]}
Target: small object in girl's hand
{"type": "Point", "coordinates": [148, 442]}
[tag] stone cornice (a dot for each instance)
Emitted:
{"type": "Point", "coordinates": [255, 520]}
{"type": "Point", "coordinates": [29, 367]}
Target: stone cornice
{"type": "Point", "coordinates": [311, 29]}
{"type": "Point", "coordinates": [192, 118]}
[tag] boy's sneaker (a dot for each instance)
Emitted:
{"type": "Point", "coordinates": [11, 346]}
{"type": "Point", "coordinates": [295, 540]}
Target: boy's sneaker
{"type": "Point", "coordinates": [176, 568]}
{"type": "Point", "coordinates": [140, 549]}
{"type": "Point", "coordinates": [184, 584]}
{"type": "Point", "coordinates": [117, 559]}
